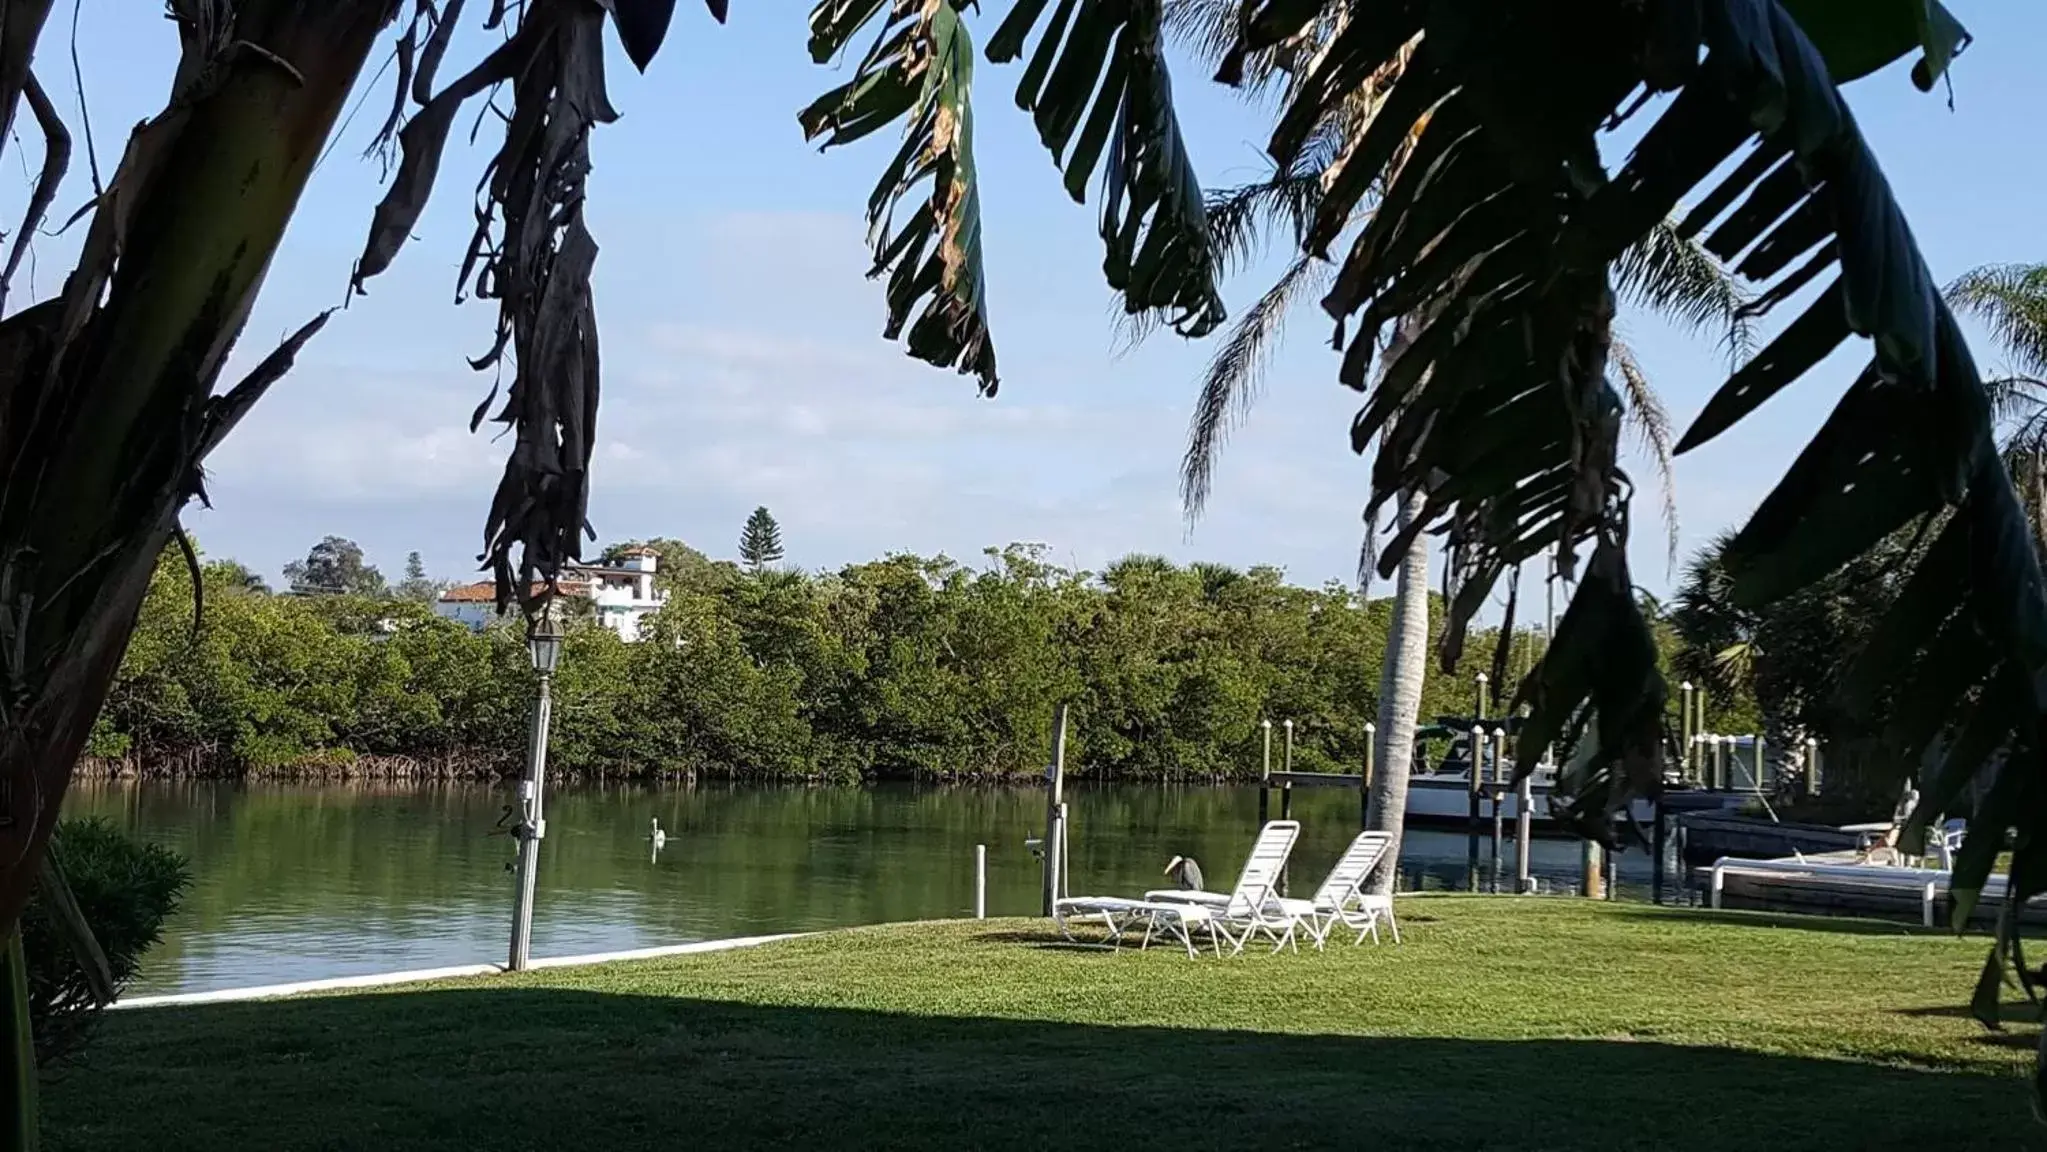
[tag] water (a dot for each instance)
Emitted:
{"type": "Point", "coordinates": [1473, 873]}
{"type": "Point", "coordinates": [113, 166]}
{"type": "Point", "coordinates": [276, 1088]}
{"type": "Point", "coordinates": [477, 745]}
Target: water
{"type": "Point", "coordinates": [303, 882]}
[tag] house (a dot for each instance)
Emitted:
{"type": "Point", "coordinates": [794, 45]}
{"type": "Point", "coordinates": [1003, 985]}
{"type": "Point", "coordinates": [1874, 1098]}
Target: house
{"type": "Point", "coordinates": [621, 595]}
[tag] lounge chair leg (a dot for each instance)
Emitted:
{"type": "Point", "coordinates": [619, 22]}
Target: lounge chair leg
{"type": "Point", "coordinates": [1393, 924]}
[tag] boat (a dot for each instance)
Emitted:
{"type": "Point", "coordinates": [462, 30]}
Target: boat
{"type": "Point", "coordinates": [1709, 836]}
{"type": "Point", "coordinates": [1444, 798]}
{"type": "Point", "coordinates": [1441, 795]}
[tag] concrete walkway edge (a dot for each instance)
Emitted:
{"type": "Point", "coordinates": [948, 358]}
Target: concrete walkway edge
{"type": "Point", "coordinates": [421, 975]}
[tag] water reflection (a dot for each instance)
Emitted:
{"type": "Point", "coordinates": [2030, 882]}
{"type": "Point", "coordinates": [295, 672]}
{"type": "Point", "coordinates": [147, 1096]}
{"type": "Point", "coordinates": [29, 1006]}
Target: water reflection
{"type": "Point", "coordinates": [301, 882]}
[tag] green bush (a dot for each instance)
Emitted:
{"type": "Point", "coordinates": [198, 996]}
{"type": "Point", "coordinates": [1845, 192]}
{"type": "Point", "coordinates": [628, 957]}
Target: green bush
{"type": "Point", "coordinates": [125, 888]}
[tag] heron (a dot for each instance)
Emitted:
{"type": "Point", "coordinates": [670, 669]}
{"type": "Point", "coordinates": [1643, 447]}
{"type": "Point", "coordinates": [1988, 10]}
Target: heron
{"type": "Point", "coordinates": [1185, 873]}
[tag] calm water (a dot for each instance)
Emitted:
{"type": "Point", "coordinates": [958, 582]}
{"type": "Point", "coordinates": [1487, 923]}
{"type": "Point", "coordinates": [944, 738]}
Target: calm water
{"type": "Point", "coordinates": [305, 882]}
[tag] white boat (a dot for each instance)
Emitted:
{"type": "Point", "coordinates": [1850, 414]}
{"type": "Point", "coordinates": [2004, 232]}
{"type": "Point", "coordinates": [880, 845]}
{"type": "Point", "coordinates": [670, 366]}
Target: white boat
{"type": "Point", "coordinates": [1445, 798]}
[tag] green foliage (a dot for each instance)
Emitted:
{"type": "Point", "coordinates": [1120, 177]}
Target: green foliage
{"type": "Point", "coordinates": [125, 888]}
{"type": "Point", "coordinates": [901, 668]}
{"type": "Point", "coordinates": [335, 567]}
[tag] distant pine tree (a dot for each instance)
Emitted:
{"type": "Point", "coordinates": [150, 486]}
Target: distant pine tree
{"type": "Point", "coordinates": [416, 585]}
{"type": "Point", "coordinates": [760, 542]}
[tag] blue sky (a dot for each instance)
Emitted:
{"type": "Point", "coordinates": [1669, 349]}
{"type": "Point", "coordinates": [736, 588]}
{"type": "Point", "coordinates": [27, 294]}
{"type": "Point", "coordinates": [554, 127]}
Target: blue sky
{"type": "Point", "coordinates": [744, 364]}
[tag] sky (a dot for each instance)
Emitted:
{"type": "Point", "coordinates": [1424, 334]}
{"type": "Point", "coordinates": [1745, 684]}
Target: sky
{"type": "Point", "coordinates": [742, 351]}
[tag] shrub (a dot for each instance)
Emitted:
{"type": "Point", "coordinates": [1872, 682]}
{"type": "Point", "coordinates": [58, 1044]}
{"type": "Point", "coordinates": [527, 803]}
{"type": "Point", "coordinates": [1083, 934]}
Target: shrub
{"type": "Point", "coordinates": [125, 888]}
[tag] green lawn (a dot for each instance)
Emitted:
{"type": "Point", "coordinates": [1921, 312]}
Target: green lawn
{"type": "Point", "coordinates": [1501, 1023]}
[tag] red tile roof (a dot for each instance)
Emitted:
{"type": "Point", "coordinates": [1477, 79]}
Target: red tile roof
{"type": "Point", "coordinates": [486, 592]}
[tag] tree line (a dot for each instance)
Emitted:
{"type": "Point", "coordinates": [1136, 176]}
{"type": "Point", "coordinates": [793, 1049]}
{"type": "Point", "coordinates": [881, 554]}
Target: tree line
{"type": "Point", "coordinates": [907, 667]}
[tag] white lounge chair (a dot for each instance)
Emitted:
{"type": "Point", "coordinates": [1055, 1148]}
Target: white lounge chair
{"type": "Point", "coordinates": [1277, 837]}
{"type": "Point", "coordinates": [1342, 900]}
{"type": "Point", "coordinates": [1248, 910]}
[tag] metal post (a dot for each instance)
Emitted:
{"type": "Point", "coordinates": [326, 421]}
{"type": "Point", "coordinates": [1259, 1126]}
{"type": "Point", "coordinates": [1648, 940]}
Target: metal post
{"type": "Point", "coordinates": [1812, 766]}
{"type": "Point", "coordinates": [1055, 797]}
{"type": "Point", "coordinates": [1756, 763]}
{"type": "Point", "coordinates": [1479, 707]}
{"type": "Point", "coordinates": [980, 881]}
{"type": "Point", "coordinates": [532, 825]}
{"type": "Point", "coordinates": [1365, 783]}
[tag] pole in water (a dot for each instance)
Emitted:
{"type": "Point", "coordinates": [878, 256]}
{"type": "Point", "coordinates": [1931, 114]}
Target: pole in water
{"type": "Point", "coordinates": [1684, 727]}
{"type": "Point", "coordinates": [1265, 776]}
{"type": "Point", "coordinates": [1524, 827]}
{"type": "Point", "coordinates": [980, 881]}
{"type": "Point", "coordinates": [1286, 793]}
{"type": "Point", "coordinates": [1054, 800]}
{"type": "Point", "coordinates": [1660, 844]}
{"type": "Point", "coordinates": [1474, 751]}
{"type": "Point", "coordinates": [1499, 801]}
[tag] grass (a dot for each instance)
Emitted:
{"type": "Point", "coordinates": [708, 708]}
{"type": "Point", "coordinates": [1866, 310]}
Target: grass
{"type": "Point", "coordinates": [1500, 1023]}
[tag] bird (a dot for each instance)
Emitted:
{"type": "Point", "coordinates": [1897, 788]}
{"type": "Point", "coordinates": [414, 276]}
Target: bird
{"type": "Point", "coordinates": [658, 836]}
{"type": "Point", "coordinates": [1185, 872]}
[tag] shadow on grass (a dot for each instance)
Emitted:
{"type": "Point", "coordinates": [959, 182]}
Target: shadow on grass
{"type": "Point", "coordinates": [537, 1068]}
{"type": "Point", "coordinates": [1802, 922]}
{"type": "Point", "coordinates": [2013, 1011]}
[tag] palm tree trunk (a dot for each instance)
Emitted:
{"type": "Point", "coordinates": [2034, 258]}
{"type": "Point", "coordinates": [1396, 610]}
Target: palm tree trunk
{"type": "Point", "coordinates": [1401, 678]}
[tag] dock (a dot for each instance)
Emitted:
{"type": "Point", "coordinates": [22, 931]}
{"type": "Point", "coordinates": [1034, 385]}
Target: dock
{"type": "Point", "coordinates": [1792, 885]}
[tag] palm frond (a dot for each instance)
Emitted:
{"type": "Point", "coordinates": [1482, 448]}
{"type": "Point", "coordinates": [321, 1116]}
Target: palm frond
{"type": "Point", "coordinates": [1232, 382]}
{"type": "Point", "coordinates": [1101, 95]}
{"type": "Point", "coordinates": [920, 71]}
{"type": "Point", "coordinates": [1647, 417]}
{"type": "Point", "coordinates": [1500, 223]}
{"type": "Point", "coordinates": [1671, 274]}
{"type": "Point", "coordinates": [1242, 218]}
{"type": "Point", "coordinates": [2011, 299]}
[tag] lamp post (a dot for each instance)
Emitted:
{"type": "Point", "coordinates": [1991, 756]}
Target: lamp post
{"type": "Point", "coordinates": [544, 642]}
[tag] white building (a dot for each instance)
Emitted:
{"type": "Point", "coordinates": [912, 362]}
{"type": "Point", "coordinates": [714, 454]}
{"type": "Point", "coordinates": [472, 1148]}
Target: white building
{"type": "Point", "coordinates": [621, 595]}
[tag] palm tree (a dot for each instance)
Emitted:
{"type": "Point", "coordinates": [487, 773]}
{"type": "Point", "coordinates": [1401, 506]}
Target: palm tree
{"type": "Point", "coordinates": [1663, 271]}
{"type": "Point", "coordinates": [2011, 300]}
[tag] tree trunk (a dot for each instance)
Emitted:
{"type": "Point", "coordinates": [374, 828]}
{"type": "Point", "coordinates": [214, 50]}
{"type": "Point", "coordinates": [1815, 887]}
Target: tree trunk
{"type": "Point", "coordinates": [107, 405]}
{"type": "Point", "coordinates": [1401, 679]}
